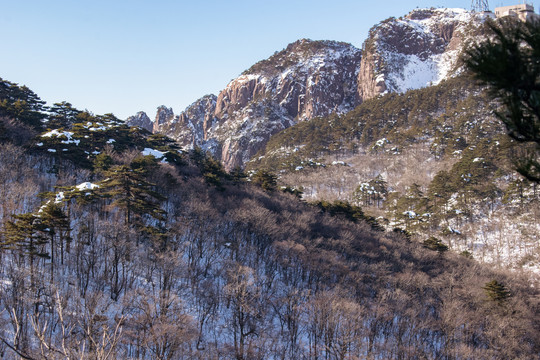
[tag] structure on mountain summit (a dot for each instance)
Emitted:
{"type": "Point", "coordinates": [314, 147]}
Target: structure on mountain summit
{"type": "Point", "coordinates": [525, 12]}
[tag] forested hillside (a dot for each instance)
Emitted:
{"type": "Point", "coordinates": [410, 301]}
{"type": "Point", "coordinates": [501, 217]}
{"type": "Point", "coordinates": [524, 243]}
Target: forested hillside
{"type": "Point", "coordinates": [114, 244]}
{"type": "Point", "coordinates": [433, 162]}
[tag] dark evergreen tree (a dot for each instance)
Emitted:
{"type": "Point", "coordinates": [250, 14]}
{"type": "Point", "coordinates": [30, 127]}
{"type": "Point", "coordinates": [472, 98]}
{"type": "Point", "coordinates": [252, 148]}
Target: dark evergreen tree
{"type": "Point", "coordinates": [27, 234]}
{"type": "Point", "coordinates": [62, 115]}
{"type": "Point", "coordinates": [21, 103]}
{"type": "Point", "coordinates": [238, 175]}
{"type": "Point", "coordinates": [508, 62]}
{"type": "Point", "coordinates": [380, 187]}
{"type": "Point", "coordinates": [496, 291]}
{"type": "Point", "coordinates": [265, 179]}
{"type": "Point", "coordinates": [410, 208]}
{"type": "Point", "coordinates": [348, 211]}
{"type": "Point", "coordinates": [102, 162]}
{"type": "Point", "coordinates": [296, 192]}
{"type": "Point", "coordinates": [56, 225]}
{"type": "Point", "coordinates": [211, 169]}
{"type": "Point", "coordinates": [435, 244]}
{"type": "Point", "coordinates": [213, 172]}
{"type": "Point", "coordinates": [162, 142]}
{"type": "Point", "coordinates": [130, 191]}
{"type": "Point", "coordinates": [440, 190]}
{"type": "Point", "coordinates": [197, 155]}
{"type": "Point", "coordinates": [372, 192]}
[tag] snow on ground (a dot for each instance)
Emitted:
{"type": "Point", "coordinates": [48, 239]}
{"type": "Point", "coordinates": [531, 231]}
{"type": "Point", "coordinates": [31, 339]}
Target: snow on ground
{"type": "Point", "coordinates": [56, 133]}
{"type": "Point", "coordinates": [61, 134]}
{"type": "Point", "coordinates": [155, 153]}
{"type": "Point", "coordinates": [59, 197]}
{"type": "Point", "coordinates": [87, 186]}
{"type": "Point", "coordinates": [413, 71]}
{"type": "Point", "coordinates": [415, 74]}
{"type": "Point", "coordinates": [410, 214]}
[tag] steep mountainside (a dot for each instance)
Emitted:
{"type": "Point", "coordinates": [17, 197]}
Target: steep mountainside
{"type": "Point", "coordinates": [318, 78]}
{"type": "Point", "coordinates": [415, 51]}
{"type": "Point", "coordinates": [307, 79]}
{"type": "Point", "coordinates": [135, 250]}
{"type": "Point", "coordinates": [433, 161]}
{"type": "Point", "coordinates": [191, 127]}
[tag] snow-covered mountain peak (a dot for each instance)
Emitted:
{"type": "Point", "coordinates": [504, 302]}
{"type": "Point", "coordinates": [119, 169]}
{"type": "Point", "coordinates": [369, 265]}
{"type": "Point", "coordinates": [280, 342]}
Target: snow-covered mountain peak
{"type": "Point", "coordinates": [310, 78]}
{"type": "Point", "coordinates": [414, 51]}
{"type": "Point", "coordinates": [303, 55]}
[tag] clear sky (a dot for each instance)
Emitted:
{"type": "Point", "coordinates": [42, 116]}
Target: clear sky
{"type": "Point", "coordinates": [120, 56]}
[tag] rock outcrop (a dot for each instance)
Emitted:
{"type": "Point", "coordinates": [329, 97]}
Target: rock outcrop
{"type": "Point", "coordinates": [415, 51]}
{"type": "Point", "coordinates": [164, 116]}
{"type": "Point", "coordinates": [141, 120]}
{"type": "Point", "coordinates": [307, 79]}
{"type": "Point", "coordinates": [190, 128]}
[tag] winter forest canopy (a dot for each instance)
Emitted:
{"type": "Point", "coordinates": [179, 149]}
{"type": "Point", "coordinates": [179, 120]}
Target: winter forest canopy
{"type": "Point", "coordinates": [117, 244]}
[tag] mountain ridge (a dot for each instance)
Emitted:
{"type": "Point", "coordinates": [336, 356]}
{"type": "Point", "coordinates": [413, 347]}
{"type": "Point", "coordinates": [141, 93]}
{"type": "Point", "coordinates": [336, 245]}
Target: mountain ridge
{"type": "Point", "coordinates": [318, 78]}
{"type": "Point", "coordinates": [134, 248]}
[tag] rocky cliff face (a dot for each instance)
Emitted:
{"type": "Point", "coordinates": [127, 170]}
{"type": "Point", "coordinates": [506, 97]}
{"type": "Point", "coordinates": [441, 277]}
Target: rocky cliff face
{"type": "Point", "coordinates": [190, 128]}
{"type": "Point", "coordinates": [141, 120]}
{"type": "Point", "coordinates": [415, 51]}
{"type": "Point", "coordinates": [316, 78]}
{"type": "Point", "coordinates": [305, 80]}
{"type": "Point", "coordinates": [164, 116]}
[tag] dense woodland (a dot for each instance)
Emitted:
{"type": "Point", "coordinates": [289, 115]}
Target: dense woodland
{"type": "Point", "coordinates": [114, 244]}
{"type": "Point", "coordinates": [432, 162]}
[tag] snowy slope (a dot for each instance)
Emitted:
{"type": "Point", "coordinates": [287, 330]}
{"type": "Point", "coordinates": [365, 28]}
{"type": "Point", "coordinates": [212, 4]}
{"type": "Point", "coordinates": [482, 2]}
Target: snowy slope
{"type": "Point", "coordinates": [415, 51]}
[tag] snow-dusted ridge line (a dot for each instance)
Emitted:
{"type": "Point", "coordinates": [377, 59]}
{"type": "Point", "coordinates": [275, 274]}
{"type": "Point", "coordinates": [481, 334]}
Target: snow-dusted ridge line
{"type": "Point", "coordinates": [422, 48]}
{"type": "Point", "coordinates": [319, 78]}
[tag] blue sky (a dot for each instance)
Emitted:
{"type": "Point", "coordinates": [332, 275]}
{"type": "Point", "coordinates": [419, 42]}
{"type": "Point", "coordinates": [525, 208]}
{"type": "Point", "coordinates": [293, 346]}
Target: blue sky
{"type": "Point", "coordinates": [124, 56]}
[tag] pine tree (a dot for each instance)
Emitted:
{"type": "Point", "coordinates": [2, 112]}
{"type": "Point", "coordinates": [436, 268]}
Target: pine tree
{"type": "Point", "coordinates": [160, 142]}
{"type": "Point", "coordinates": [27, 235]}
{"type": "Point", "coordinates": [62, 115]}
{"type": "Point", "coordinates": [496, 291]}
{"type": "Point", "coordinates": [435, 244]}
{"type": "Point", "coordinates": [21, 103]}
{"type": "Point", "coordinates": [102, 162]}
{"type": "Point", "coordinates": [129, 191]}
{"type": "Point", "coordinates": [441, 187]}
{"type": "Point", "coordinates": [212, 170]}
{"type": "Point", "coordinates": [348, 211]}
{"type": "Point", "coordinates": [56, 224]}
{"type": "Point", "coordinates": [293, 191]}
{"type": "Point", "coordinates": [508, 62]}
{"type": "Point", "coordinates": [265, 179]}
{"type": "Point", "coordinates": [410, 208]}
{"type": "Point", "coordinates": [372, 192]}
{"type": "Point", "coordinates": [238, 175]}
{"type": "Point", "coordinates": [380, 187]}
